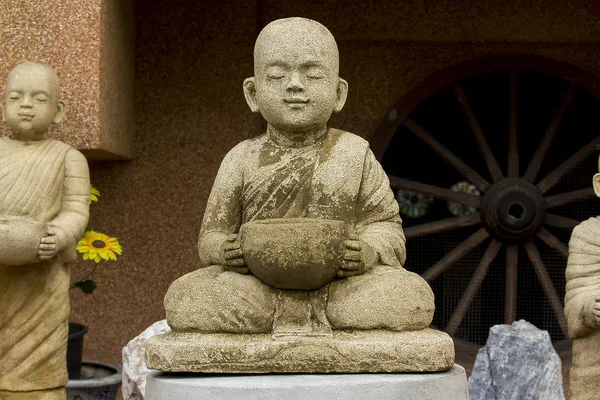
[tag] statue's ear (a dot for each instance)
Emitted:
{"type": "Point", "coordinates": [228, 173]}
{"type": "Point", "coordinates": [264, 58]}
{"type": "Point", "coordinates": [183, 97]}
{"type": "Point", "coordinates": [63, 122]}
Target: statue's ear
{"type": "Point", "coordinates": [342, 94]}
{"type": "Point", "coordinates": [61, 109]}
{"type": "Point", "coordinates": [597, 184]}
{"type": "Point", "coordinates": [3, 111]}
{"type": "Point", "coordinates": [250, 94]}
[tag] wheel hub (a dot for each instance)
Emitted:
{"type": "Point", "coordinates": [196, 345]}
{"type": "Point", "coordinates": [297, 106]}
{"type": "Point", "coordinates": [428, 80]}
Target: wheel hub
{"type": "Point", "coordinates": [513, 209]}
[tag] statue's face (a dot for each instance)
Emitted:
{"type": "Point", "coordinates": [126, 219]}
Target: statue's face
{"type": "Point", "coordinates": [30, 100]}
{"type": "Point", "coordinates": [296, 78]}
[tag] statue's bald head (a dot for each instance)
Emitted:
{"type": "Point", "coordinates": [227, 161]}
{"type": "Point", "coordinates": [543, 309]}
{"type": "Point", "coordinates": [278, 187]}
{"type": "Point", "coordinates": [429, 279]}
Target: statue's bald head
{"type": "Point", "coordinates": [296, 84]}
{"type": "Point", "coordinates": [295, 37]}
{"type": "Point", "coordinates": [35, 72]}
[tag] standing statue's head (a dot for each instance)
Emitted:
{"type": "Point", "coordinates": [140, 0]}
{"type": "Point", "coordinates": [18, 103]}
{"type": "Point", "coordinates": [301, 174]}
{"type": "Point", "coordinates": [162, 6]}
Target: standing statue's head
{"type": "Point", "coordinates": [296, 84]}
{"type": "Point", "coordinates": [31, 102]}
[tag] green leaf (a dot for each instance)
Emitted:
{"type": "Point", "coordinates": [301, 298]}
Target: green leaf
{"type": "Point", "coordinates": [87, 286]}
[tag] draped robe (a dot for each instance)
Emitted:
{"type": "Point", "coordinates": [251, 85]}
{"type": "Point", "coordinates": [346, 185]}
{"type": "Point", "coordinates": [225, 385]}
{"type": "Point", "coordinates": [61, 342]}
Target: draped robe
{"type": "Point", "coordinates": [337, 177]}
{"type": "Point", "coordinates": [583, 286]}
{"type": "Point", "coordinates": [45, 181]}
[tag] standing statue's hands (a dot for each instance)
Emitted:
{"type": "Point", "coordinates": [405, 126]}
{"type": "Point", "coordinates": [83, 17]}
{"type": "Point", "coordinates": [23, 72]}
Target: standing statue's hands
{"type": "Point", "coordinates": [358, 257]}
{"type": "Point", "coordinates": [50, 245]}
{"type": "Point", "coordinates": [233, 256]}
{"type": "Point", "coordinates": [593, 311]}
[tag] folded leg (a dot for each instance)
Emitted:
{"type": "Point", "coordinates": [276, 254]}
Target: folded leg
{"type": "Point", "coordinates": [384, 298]}
{"type": "Point", "coordinates": [213, 300]}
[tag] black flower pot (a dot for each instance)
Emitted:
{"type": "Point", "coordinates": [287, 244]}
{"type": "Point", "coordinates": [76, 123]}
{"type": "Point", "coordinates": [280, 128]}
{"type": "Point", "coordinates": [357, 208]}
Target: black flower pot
{"type": "Point", "coordinates": [97, 381]}
{"type": "Point", "coordinates": [75, 349]}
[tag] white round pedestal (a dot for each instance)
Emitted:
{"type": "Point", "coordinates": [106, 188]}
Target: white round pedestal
{"type": "Point", "coordinates": [451, 384]}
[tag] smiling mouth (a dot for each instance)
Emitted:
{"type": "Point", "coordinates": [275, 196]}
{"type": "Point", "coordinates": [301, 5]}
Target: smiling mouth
{"type": "Point", "coordinates": [296, 101]}
{"type": "Point", "coordinates": [27, 117]}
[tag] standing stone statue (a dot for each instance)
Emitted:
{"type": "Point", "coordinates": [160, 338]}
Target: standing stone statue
{"type": "Point", "coordinates": [582, 305]}
{"type": "Point", "coordinates": [44, 209]}
{"type": "Point", "coordinates": [301, 246]}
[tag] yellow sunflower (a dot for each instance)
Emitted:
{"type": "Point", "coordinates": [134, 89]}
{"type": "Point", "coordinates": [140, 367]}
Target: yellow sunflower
{"type": "Point", "coordinates": [98, 246]}
{"type": "Point", "coordinates": [94, 194]}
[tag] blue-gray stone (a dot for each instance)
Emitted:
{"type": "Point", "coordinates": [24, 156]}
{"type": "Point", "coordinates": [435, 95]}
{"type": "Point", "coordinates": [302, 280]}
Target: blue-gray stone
{"type": "Point", "coordinates": [518, 362]}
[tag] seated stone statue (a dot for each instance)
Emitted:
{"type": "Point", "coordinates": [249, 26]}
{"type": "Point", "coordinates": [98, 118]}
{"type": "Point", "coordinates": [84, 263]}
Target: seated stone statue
{"type": "Point", "coordinates": [299, 168]}
{"type": "Point", "coordinates": [582, 305]}
{"type": "Point", "coordinates": [44, 207]}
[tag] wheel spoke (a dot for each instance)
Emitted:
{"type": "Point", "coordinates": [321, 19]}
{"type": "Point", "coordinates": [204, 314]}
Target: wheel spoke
{"type": "Point", "coordinates": [441, 225]}
{"type": "Point", "coordinates": [456, 254]}
{"type": "Point", "coordinates": [510, 297]}
{"type": "Point", "coordinates": [473, 287]}
{"type": "Point", "coordinates": [564, 198]}
{"type": "Point", "coordinates": [462, 168]}
{"type": "Point", "coordinates": [482, 143]}
{"type": "Point", "coordinates": [513, 143]}
{"type": "Point", "coordinates": [553, 177]}
{"type": "Point", "coordinates": [553, 242]}
{"type": "Point", "coordinates": [561, 222]}
{"type": "Point", "coordinates": [436, 191]}
{"type": "Point", "coordinates": [544, 278]}
{"type": "Point", "coordinates": [534, 166]}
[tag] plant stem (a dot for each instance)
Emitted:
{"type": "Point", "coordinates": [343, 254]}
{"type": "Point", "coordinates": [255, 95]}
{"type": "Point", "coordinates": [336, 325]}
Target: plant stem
{"type": "Point", "coordinates": [91, 272]}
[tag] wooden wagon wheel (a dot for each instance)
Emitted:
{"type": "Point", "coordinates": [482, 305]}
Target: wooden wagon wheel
{"type": "Point", "coordinates": [516, 205]}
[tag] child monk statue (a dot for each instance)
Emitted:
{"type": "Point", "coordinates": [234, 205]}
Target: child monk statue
{"type": "Point", "coordinates": [582, 305]}
{"type": "Point", "coordinates": [300, 168]}
{"type": "Point", "coordinates": [44, 208]}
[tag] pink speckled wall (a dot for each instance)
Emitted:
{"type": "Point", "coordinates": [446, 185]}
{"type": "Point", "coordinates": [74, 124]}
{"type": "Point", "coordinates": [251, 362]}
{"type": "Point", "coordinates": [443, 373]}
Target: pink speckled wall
{"type": "Point", "coordinates": [66, 36]}
{"type": "Point", "coordinates": [90, 45]}
{"type": "Point", "coordinates": [191, 58]}
{"type": "Point", "coordinates": [116, 71]}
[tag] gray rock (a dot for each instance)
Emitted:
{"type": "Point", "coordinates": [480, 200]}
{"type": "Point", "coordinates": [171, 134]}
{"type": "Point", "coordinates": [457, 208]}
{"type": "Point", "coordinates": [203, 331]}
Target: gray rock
{"type": "Point", "coordinates": [134, 361]}
{"type": "Point", "coordinates": [517, 362]}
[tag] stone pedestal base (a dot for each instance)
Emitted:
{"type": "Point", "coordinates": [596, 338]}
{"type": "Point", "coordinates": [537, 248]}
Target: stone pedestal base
{"type": "Point", "coordinates": [451, 384]}
{"type": "Point", "coordinates": [426, 350]}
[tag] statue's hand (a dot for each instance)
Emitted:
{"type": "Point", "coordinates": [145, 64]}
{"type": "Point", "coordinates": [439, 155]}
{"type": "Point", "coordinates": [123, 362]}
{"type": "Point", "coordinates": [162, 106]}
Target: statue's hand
{"type": "Point", "coordinates": [358, 257]}
{"type": "Point", "coordinates": [233, 258]}
{"type": "Point", "coordinates": [593, 311]}
{"type": "Point", "coordinates": [51, 244]}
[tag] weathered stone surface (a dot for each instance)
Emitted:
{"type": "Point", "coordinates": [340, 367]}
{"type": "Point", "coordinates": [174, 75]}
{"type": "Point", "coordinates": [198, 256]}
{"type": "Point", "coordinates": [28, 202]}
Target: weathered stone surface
{"type": "Point", "coordinates": [582, 306]}
{"type": "Point", "coordinates": [44, 209]}
{"type": "Point", "coordinates": [358, 351]}
{"type": "Point", "coordinates": [134, 361]}
{"type": "Point", "coordinates": [448, 385]}
{"type": "Point", "coordinates": [294, 253]}
{"type": "Point", "coordinates": [301, 240]}
{"type": "Point", "coordinates": [517, 362]}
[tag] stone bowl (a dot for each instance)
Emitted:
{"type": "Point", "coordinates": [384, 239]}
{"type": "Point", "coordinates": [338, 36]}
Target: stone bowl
{"type": "Point", "coordinates": [294, 253]}
{"type": "Point", "coordinates": [20, 240]}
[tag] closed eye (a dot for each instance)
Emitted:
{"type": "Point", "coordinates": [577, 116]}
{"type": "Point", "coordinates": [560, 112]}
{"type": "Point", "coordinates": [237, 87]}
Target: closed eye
{"type": "Point", "coordinates": [315, 71]}
{"type": "Point", "coordinates": [276, 71]}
